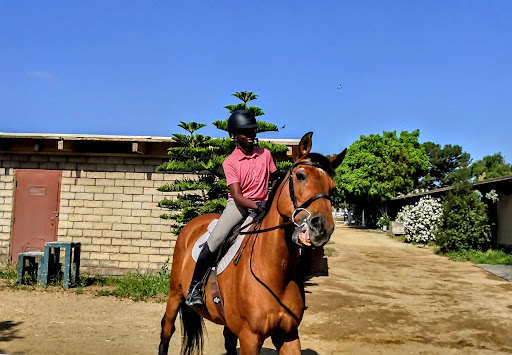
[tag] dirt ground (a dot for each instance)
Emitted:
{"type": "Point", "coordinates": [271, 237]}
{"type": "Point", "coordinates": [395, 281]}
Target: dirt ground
{"type": "Point", "coordinates": [381, 297]}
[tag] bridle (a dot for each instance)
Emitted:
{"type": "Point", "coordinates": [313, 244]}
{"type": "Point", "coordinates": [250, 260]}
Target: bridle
{"type": "Point", "coordinates": [308, 202]}
{"type": "Point", "coordinates": [297, 208]}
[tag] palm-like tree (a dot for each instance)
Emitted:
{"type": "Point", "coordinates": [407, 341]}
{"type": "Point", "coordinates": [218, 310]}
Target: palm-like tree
{"type": "Point", "coordinates": [245, 96]}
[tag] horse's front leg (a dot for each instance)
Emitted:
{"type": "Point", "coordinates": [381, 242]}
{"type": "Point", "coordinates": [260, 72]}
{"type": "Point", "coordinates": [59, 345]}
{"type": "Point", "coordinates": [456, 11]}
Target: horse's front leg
{"type": "Point", "coordinates": [230, 341]}
{"type": "Point", "coordinates": [168, 328]}
{"type": "Point", "coordinates": [289, 345]}
{"type": "Point", "coordinates": [250, 343]}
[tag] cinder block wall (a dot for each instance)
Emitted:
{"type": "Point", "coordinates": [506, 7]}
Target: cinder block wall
{"type": "Point", "coordinates": [106, 203]}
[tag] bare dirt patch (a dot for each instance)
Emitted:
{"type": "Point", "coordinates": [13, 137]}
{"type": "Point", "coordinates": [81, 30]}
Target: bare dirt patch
{"type": "Point", "coordinates": [381, 297]}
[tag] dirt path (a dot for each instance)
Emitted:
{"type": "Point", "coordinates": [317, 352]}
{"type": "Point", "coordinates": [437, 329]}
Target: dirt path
{"type": "Point", "coordinates": [381, 297]}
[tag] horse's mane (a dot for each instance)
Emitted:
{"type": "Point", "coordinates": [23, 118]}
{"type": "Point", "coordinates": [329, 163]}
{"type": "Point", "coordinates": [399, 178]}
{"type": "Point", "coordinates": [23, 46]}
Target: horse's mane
{"type": "Point", "coordinates": [321, 160]}
{"type": "Point", "coordinates": [324, 163]}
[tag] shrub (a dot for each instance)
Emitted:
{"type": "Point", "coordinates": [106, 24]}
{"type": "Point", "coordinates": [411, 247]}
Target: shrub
{"type": "Point", "coordinates": [383, 221]}
{"type": "Point", "coordinates": [420, 220]}
{"type": "Point", "coordinates": [464, 223]}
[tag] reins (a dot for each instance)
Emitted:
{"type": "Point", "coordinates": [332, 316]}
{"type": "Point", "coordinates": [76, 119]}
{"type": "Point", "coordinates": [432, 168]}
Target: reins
{"type": "Point", "coordinates": [256, 222]}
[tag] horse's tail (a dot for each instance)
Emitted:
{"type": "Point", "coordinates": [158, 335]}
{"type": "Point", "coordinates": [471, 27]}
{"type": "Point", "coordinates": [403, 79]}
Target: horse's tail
{"type": "Point", "coordinates": [191, 331]}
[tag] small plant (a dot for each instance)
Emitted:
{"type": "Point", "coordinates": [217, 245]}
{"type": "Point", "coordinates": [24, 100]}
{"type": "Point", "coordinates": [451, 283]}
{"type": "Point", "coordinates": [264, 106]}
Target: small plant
{"type": "Point", "coordinates": [165, 271]}
{"type": "Point", "coordinates": [10, 273]}
{"type": "Point", "coordinates": [383, 221]}
{"type": "Point", "coordinates": [138, 287]}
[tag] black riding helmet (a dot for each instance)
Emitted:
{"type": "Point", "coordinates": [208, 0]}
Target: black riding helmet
{"type": "Point", "coordinates": [241, 120]}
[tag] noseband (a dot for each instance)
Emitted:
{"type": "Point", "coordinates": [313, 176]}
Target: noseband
{"type": "Point", "coordinates": [306, 204]}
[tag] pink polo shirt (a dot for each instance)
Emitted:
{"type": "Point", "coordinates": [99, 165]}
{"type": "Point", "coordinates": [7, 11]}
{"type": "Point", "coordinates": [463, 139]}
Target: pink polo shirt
{"type": "Point", "coordinates": [252, 172]}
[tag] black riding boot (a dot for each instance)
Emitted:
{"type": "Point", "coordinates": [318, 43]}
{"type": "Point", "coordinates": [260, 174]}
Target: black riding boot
{"type": "Point", "coordinates": [204, 263]}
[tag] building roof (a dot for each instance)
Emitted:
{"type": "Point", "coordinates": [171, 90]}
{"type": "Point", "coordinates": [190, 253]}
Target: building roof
{"type": "Point", "coordinates": [90, 144]}
{"type": "Point", "coordinates": [503, 183]}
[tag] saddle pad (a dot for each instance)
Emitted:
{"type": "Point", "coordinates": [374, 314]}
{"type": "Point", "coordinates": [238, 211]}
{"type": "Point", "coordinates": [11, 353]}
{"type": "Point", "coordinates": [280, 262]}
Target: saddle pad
{"type": "Point", "coordinates": [228, 257]}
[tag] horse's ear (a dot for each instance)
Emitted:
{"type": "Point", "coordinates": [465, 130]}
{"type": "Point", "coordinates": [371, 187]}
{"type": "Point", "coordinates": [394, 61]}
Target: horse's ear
{"type": "Point", "coordinates": [304, 146]}
{"type": "Point", "coordinates": [337, 159]}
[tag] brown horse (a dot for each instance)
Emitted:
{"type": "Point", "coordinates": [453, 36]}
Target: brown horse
{"type": "Point", "coordinates": [263, 293]}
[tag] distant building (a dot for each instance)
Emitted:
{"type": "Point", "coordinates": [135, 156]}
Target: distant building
{"type": "Point", "coordinates": [500, 213]}
{"type": "Point", "coordinates": [97, 190]}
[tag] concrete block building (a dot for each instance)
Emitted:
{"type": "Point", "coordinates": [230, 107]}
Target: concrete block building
{"type": "Point", "coordinates": [97, 190]}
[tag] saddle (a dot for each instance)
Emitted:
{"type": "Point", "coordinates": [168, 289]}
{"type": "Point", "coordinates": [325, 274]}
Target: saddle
{"type": "Point", "coordinates": [230, 246]}
{"type": "Point", "coordinates": [227, 252]}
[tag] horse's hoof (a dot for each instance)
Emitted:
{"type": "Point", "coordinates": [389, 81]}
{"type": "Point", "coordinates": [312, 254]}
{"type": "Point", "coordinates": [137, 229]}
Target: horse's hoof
{"type": "Point", "coordinates": [163, 349]}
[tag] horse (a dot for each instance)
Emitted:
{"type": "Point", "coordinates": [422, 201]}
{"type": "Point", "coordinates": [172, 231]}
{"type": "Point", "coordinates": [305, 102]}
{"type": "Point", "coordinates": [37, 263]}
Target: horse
{"type": "Point", "coordinates": [263, 293]}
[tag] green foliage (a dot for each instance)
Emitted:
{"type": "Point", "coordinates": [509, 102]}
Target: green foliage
{"type": "Point", "coordinates": [139, 287]}
{"type": "Point", "coordinates": [262, 126]}
{"type": "Point", "coordinates": [236, 107]}
{"type": "Point", "coordinates": [448, 165]}
{"type": "Point", "coordinates": [184, 185]}
{"type": "Point", "coordinates": [378, 167]}
{"type": "Point", "coordinates": [490, 256]}
{"type": "Point", "coordinates": [245, 96]}
{"type": "Point", "coordinates": [490, 166]}
{"type": "Point", "coordinates": [464, 223]}
{"type": "Point", "coordinates": [283, 167]}
{"type": "Point", "coordinates": [383, 221]}
{"type": "Point", "coordinates": [10, 273]}
{"type": "Point", "coordinates": [191, 127]}
{"type": "Point", "coordinates": [203, 156]}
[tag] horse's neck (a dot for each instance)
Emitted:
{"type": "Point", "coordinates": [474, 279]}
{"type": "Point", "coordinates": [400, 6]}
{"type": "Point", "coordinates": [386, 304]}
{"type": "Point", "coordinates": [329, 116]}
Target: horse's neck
{"type": "Point", "coordinates": [272, 255]}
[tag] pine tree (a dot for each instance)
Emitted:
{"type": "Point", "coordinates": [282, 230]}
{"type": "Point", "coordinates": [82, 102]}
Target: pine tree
{"type": "Point", "coordinates": [201, 157]}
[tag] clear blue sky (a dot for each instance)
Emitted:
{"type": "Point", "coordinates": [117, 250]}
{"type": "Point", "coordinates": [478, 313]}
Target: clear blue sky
{"type": "Point", "coordinates": [140, 67]}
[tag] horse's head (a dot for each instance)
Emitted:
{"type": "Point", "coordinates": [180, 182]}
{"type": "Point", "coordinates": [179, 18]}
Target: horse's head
{"type": "Point", "coordinates": [304, 194]}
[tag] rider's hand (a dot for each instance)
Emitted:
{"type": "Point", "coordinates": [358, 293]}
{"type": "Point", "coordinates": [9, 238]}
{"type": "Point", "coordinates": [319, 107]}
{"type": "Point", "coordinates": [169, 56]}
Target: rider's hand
{"type": "Point", "coordinates": [261, 206]}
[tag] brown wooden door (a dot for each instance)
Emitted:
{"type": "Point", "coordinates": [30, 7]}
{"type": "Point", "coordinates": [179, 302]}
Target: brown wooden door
{"type": "Point", "coordinates": [36, 210]}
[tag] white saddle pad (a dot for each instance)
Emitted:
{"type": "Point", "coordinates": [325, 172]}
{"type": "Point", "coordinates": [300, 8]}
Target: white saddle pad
{"type": "Point", "coordinates": [228, 257]}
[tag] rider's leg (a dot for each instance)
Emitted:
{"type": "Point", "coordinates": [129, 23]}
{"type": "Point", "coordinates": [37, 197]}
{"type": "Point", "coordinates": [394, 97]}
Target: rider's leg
{"type": "Point", "coordinates": [231, 216]}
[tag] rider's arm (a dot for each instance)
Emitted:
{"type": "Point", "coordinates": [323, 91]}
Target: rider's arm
{"type": "Point", "coordinates": [273, 179]}
{"type": "Point", "coordinates": [236, 193]}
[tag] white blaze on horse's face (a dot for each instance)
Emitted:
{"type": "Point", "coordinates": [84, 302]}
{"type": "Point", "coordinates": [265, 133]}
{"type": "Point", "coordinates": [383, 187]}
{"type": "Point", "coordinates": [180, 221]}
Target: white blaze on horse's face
{"type": "Point", "coordinates": [311, 177]}
{"type": "Point", "coordinates": [308, 182]}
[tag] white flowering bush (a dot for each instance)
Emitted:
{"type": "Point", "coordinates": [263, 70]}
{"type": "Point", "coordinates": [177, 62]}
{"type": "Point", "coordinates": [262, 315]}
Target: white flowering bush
{"type": "Point", "coordinates": [421, 219]}
{"type": "Point", "coordinates": [492, 195]}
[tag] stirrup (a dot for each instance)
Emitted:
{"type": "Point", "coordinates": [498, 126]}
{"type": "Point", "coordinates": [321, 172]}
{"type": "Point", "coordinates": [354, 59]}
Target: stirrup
{"type": "Point", "coordinates": [195, 295]}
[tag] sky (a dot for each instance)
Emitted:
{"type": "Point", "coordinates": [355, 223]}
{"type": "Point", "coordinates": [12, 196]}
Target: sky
{"type": "Point", "coordinates": [141, 67]}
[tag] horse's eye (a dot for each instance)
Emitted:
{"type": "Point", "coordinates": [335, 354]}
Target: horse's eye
{"type": "Point", "coordinates": [300, 176]}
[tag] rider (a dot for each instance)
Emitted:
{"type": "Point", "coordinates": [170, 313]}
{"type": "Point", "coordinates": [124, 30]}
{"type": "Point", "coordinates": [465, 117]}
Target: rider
{"type": "Point", "coordinates": [248, 170]}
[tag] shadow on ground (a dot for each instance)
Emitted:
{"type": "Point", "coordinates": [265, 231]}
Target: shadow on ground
{"type": "Point", "coordinates": [9, 332]}
{"type": "Point", "coordinates": [267, 351]}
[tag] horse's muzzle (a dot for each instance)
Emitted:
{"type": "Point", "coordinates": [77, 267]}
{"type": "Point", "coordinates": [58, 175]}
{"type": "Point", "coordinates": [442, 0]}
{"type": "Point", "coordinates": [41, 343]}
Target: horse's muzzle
{"type": "Point", "coordinates": [320, 230]}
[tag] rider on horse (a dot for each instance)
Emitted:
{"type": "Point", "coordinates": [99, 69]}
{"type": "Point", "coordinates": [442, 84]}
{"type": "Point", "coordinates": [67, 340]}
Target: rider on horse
{"type": "Point", "coordinates": [248, 170]}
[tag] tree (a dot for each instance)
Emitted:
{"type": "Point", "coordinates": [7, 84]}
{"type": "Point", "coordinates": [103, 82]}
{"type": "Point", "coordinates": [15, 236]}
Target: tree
{"type": "Point", "coordinates": [490, 166]}
{"type": "Point", "coordinates": [245, 97]}
{"type": "Point", "coordinates": [378, 167]}
{"type": "Point", "coordinates": [448, 165]}
{"type": "Point", "coordinates": [203, 188]}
